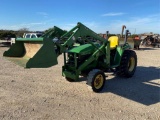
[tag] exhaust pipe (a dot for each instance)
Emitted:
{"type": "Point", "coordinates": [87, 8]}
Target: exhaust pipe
{"type": "Point", "coordinates": [123, 27]}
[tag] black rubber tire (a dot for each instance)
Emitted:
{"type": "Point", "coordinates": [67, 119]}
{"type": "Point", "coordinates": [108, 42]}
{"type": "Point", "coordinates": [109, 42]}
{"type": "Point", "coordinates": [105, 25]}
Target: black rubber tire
{"type": "Point", "coordinates": [128, 64]}
{"type": "Point", "coordinates": [93, 77]}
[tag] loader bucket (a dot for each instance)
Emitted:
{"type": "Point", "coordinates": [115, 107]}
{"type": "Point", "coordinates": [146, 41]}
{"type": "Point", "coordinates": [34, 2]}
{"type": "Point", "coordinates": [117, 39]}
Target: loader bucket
{"type": "Point", "coordinates": [29, 53]}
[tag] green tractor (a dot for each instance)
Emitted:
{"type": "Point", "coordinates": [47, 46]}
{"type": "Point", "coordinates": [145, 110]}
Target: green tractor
{"type": "Point", "coordinates": [95, 58]}
{"type": "Point", "coordinates": [85, 54]}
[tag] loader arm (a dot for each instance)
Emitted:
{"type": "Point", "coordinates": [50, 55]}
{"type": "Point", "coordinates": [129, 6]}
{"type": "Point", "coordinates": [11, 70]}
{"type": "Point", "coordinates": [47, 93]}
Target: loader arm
{"type": "Point", "coordinates": [55, 31]}
{"type": "Point", "coordinates": [79, 32]}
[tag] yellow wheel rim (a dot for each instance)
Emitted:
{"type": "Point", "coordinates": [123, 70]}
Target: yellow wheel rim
{"type": "Point", "coordinates": [131, 64]}
{"type": "Point", "coordinates": [98, 82]}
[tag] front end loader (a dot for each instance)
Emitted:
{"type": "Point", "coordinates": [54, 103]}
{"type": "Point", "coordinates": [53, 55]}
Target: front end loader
{"type": "Point", "coordinates": [43, 52]}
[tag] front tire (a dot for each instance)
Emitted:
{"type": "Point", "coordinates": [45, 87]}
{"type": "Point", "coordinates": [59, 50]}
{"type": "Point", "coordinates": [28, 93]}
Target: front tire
{"type": "Point", "coordinates": [128, 64]}
{"type": "Point", "coordinates": [96, 79]}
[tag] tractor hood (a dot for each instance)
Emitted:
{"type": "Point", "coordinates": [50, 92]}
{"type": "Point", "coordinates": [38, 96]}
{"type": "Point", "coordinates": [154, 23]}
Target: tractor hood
{"type": "Point", "coordinates": [84, 49]}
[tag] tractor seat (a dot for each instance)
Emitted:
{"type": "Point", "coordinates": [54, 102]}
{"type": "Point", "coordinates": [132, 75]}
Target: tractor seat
{"type": "Point", "coordinates": [113, 42]}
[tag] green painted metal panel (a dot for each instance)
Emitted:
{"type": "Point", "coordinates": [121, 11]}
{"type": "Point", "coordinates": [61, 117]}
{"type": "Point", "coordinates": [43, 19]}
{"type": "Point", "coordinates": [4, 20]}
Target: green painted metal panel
{"type": "Point", "coordinates": [69, 75]}
{"type": "Point", "coordinates": [87, 48]}
{"type": "Point", "coordinates": [45, 57]}
{"type": "Point", "coordinates": [94, 57]}
{"type": "Point", "coordinates": [16, 50]}
{"type": "Point", "coordinates": [30, 39]}
{"type": "Point", "coordinates": [119, 53]}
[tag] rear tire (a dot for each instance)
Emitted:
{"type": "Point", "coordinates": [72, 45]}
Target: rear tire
{"type": "Point", "coordinates": [128, 64]}
{"type": "Point", "coordinates": [96, 79]}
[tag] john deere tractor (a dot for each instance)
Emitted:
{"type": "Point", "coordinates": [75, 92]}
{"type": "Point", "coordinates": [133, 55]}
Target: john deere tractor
{"type": "Point", "coordinates": [85, 54]}
{"type": "Point", "coordinates": [97, 56]}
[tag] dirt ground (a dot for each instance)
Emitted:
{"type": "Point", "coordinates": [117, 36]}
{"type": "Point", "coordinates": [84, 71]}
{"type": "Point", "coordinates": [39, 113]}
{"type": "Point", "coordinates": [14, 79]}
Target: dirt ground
{"type": "Point", "coordinates": [43, 94]}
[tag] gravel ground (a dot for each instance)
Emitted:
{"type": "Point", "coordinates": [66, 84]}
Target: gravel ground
{"type": "Point", "coordinates": [43, 94]}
